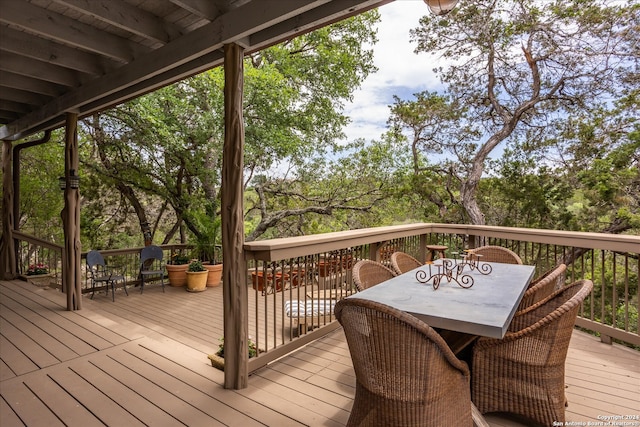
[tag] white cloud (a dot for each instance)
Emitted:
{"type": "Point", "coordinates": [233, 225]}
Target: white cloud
{"type": "Point", "coordinates": [401, 72]}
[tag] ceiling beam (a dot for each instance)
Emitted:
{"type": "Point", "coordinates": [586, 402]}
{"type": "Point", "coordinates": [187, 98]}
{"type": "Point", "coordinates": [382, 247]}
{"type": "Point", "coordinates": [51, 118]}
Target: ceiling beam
{"type": "Point", "coordinates": [43, 50]}
{"type": "Point", "coordinates": [127, 17]}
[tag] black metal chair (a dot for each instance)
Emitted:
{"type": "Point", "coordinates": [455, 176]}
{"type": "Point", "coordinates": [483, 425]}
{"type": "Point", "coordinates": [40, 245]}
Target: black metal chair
{"type": "Point", "coordinates": [101, 274]}
{"type": "Point", "coordinates": [151, 265]}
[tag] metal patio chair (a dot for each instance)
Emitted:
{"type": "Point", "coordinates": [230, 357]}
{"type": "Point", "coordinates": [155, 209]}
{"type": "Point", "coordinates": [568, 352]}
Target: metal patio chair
{"type": "Point", "coordinates": [102, 275]}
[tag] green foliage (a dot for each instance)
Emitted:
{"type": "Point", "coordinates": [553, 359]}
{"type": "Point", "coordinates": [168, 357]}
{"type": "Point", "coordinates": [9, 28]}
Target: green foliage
{"type": "Point", "coordinates": [196, 266]}
{"type": "Point", "coordinates": [179, 259]}
{"type": "Point", "coordinates": [253, 349]}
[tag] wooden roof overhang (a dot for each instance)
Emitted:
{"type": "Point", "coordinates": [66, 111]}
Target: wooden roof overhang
{"type": "Point", "coordinates": [83, 56]}
{"type": "Point", "coordinates": [61, 60]}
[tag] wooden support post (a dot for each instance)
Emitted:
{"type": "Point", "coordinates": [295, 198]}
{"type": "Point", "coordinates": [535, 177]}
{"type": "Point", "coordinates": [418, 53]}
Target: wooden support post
{"type": "Point", "coordinates": [7, 244]}
{"type": "Point", "coordinates": [236, 310]}
{"type": "Point", "coordinates": [71, 279]}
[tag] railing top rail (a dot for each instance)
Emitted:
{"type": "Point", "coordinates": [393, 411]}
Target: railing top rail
{"type": "Point", "coordinates": [274, 249]}
{"type": "Point", "coordinates": [36, 241]}
{"type": "Point", "coordinates": [291, 247]}
{"type": "Point", "coordinates": [614, 242]}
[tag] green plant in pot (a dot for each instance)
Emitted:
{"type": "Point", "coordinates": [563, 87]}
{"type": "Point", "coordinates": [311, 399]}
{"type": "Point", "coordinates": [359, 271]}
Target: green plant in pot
{"type": "Point", "coordinates": [217, 359]}
{"type": "Point", "coordinates": [196, 277]}
{"type": "Point", "coordinates": [177, 269]}
{"type": "Point", "coordinates": [210, 252]}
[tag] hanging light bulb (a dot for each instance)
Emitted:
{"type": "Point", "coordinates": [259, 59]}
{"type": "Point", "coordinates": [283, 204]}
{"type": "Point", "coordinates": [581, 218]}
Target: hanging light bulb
{"type": "Point", "coordinates": [441, 7]}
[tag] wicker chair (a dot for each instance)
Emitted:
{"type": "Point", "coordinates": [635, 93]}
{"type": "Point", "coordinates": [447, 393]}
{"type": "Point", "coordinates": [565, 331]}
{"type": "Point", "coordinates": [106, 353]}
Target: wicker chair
{"type": "Point", "coordinates": [542, 287]}
{"type": "Point", "coordinates": [405, 373]}
{"type": "Point", "coordinates": [523, 373]}
{"type": "Point", "coordinates": [402, 262]}
{"type": "Point", "coordinates": [497, 254]}
{"type": "Point", "coordinates": [367, 273]}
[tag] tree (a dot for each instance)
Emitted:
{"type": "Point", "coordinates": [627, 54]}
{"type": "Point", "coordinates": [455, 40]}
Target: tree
{"type": "Point", "coordinates": [167, 146]}
{"type": "Point", "coordinates": [519, 69]}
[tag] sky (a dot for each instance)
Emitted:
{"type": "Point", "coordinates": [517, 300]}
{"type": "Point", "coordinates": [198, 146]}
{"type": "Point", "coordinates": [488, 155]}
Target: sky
{"type": "Point", "coordinates": [400, 72]}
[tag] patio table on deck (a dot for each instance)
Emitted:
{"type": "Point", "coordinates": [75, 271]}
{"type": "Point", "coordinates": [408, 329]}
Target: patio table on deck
{"type": "Point", "coordinates": [485, 309]}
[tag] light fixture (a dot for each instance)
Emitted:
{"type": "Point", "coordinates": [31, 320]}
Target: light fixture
{"type": "Point", "coordinates": [441, 7]}
{"type": "Point", "coordinates": [74, 180]}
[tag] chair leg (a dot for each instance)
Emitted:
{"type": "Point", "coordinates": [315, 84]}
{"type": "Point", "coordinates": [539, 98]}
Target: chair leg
{"type": "Point", "coordinates": [93, 289]}
{"type": "Point", "coordinates": [124, 286]}
{"type": "Point", "coordinates": [113, 290]}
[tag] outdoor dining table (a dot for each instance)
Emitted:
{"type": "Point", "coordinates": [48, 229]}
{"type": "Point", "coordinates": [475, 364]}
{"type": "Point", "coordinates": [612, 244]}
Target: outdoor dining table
{"type": "Point", "coordinates": [484, 309]}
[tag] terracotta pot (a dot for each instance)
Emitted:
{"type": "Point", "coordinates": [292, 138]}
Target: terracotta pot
{"type": "Point", "coordinates": [197, 280]}
{"type": "Point", "coordinates": [177, 274]}
{"type": "Point", "coordinates": [215, 274]}
{"type": "Point", "coordinates": [297, 277]}
{"type": "Point", "coordinates": [257, 279]}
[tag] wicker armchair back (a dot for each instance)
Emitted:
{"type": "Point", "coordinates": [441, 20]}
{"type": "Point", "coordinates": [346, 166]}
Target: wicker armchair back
{"type": "Point", "coordinates": [367, 273]}
{"type": "Point", "coordinates": [402, 262]}
{"type": "Point", "coordinates": [406, 375]}
{"type": "Point", "coordinates": [523, 373]}
{"type": "Point", "coordinates": [497, 254]}
{"type": "Point", "coordinates": [543, 286]}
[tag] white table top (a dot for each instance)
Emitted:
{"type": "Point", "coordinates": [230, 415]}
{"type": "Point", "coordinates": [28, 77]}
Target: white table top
{"type": "Point", "coordinates": [484, 309]}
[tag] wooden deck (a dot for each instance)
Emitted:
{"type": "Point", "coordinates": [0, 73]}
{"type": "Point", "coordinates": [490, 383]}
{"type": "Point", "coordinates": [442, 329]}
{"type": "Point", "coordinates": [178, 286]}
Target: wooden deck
{"type": "Point", "coordinates": [142, 361]}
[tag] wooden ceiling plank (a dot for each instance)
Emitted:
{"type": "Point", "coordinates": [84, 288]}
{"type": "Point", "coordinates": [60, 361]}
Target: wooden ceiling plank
{"type": "Point", "coordinates": [39, 70]}
{"type": "Point", "coordinates": [24, 97]}
{"type": "Point", "coordinates": [22, 43]}
{"type": "Point", "coordinates": [32, 85]}
{"type": "Point", "coordinates": [15, 107]}
{"type": "Point", "coordinates": [127, 17]}
{"type": "Point", "coordinates": [204, 8]}
{"type": "Point", "coordinates": [69, 31]}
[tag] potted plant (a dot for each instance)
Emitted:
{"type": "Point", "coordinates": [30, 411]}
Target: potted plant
{"type": "Point", "coordinates": [209, 252]}
{"type": "Point", "coordinates": [196, 277]}
{"type": "Point", "coordinates": [177, 269]}
{"type": "Point", "coordinates": [38, 274]}
{"type": "Point", "coordinates": [217, 359]}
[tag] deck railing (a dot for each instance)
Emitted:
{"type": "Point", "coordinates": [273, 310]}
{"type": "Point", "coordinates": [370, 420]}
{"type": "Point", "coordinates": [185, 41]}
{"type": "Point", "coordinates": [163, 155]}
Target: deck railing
{"type": "Point", "coordinates": [32, 250]}
{"type": "Point", "coordinates": [315, 271]}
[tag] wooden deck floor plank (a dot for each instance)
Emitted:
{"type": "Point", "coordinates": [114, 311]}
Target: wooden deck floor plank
{"type": "Point", "coordinates": [8, 418]}
{"type": "Point", "coordinates": [18, 362]}
{"type": "Point", "coordinates": [27, 345]}
{"type": "Point", "coordinates": [97, 337]}
{"type": "Point", "coordinates": [100, 405]}
{"type": "Point", "coordinates": [173, 379]}
{"type": "Point", "coordinates": [185, 311]}
{"type": "Point", "coordinates": [301, 408]}
{"type": "Point", "coordinates": [64, 405]}
{"type": "Point", "coordinates": [201, 340]}
{"type": "Point", "coordinates": [196, 371]}
{"type": "Point", "coordinates": [5, 371]}
{"type": "Point", "coordinates": [42, 319]}
{"type": "Point", "coordinates": [38, 334]}
{"type": "Point", "coordinates": [27, 406]}
{"type": "Point", "coordinates": [148, 412]}
{"type": "Point", "coordinates": [185, 412]}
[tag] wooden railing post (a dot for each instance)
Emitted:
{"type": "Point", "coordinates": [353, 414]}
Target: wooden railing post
{"type": "Point", "coordinates": [235, 294]}
{"type": "Point", "coordinates": [7, 244]}
{"type": "Point", "coordinates": [71, 282]}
